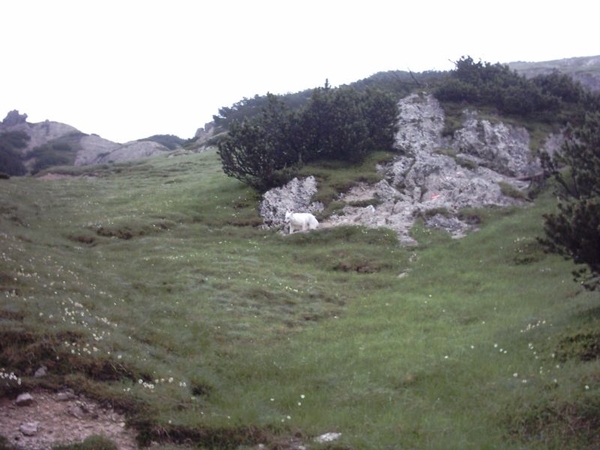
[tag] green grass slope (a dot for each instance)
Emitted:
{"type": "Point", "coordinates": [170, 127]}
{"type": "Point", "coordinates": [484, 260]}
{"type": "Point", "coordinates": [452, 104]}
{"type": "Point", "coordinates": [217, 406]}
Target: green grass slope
{"type": "Point", "coordinates": [149, 285]}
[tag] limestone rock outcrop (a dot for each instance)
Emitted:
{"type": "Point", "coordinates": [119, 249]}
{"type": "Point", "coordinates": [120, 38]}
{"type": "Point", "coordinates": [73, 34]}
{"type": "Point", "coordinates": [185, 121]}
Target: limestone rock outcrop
{"type": "Point", "coordinates": [96, 150]}
{"type": "Point", "coordinates": [433, 177]}
{"type": "Point", "coordinates": [14, 118]}
{"type": "Point", "coordinates": [295, 196]}
{"type": "Point", "coordinates": [498, 146]}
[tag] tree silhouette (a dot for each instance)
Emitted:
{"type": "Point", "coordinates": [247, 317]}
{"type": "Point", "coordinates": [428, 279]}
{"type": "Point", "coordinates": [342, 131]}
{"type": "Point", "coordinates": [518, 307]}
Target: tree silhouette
{"type": "Point", "coordinates": [574, 231]}
{"type": "Point", "coordinates": [11, 161]}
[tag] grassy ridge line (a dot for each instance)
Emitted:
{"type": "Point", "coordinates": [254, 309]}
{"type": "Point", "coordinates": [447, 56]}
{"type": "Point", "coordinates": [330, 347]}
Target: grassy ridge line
{"type": "Point", "coordinates": [153, 272]}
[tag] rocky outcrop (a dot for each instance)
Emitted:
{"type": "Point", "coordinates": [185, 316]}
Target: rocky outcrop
{"type": "Point", "coordinates": [133, 150]}
{"type": "Point", "coordinates": [90, 149]}
{"type": "Point", "coordinates": [96, 150]}
{"type": "Point", "coordinates": [93, 149]}
{"type": "Point", "coordinates": [14, 118]}
{"type": "Point", "coordinates": [421, 123]}
{"type": "Point", "coordinates": [433, 178]}
{"type": "Point", "coordinates": [500, 147]}
{"type": "Point", "coordinates": [296, 196]}
{"type": "Point", "coordinates": [40, 133]}
{"type": "Point", "coordinates": [206, 132]}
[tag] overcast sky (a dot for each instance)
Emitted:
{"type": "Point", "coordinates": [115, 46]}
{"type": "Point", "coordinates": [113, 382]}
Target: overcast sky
{"type": "Point", "coordinates": [128, 69]}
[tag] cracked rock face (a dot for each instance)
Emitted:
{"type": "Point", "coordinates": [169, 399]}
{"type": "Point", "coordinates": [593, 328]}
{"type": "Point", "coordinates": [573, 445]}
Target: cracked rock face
{"type": "Point", "coordinates": [295, 197]}
{"type": "Point", "coordinates": [433, 176]}
{"type": "Point", "coordinates": [500, 147]}
{"type": "Point", "coordinates": [421, 123]}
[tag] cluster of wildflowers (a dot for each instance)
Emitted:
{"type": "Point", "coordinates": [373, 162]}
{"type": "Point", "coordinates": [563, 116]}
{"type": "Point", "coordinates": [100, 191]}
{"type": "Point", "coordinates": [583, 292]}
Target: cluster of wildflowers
{"type": "Point", "coordinates": [523, 381]}
{"type": "Point", "coordinates": [146, 385]}
{"type": "Point", "coordinates": [170, 380]}
{"type": "Point", "coordinates": [501, 350]}
{"type": "Point", "coordinates": [298, 403]}
{"type": "Point", "coordinates": [531, 326]}
{"type": "Point", "coordinates": [9, 377]}
{"type": "Point", "coordinates": [73, 304]}
{"type": "Point", "coordinates": [80, 349]}
{"type": "Point", "coordinates": [547, 372]}
{"type": "Point", "coordinates": [157, 382]}
{"type": "Point", "coordinates": [301, 398]}
{"type": "Point", "coordinates": [522, 240]}
{"type": "Point", "coordinates": [77, 314]}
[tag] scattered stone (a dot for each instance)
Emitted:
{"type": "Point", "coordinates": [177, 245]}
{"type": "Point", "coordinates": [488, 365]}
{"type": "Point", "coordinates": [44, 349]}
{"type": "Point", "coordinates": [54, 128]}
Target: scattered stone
{"type": "Point", "coordinates": [328, 437]}
{"type": "Point", "coordinates": [24, 400]}
{"type": "Point", "coordinates": [29, 428]}
{"type": "Point", "coordinates": [76, 411]}
{"type": "Point", "coordinates": [66, 395]}
{"type": "Point", "coordinates": [41, 372]}
{"type": "Point", "coordinates": [55, 425]}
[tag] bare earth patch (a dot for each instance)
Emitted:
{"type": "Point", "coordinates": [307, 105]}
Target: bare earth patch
{"type": "Point", "coordinates": [61, 418]}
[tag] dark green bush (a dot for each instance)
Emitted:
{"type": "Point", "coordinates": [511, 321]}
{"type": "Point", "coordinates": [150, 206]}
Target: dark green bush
{"type": "Point", "coordinates": [551, 98]}
{"type": "Point", "coordinates": [51, 154]}
{"type": "Point", "coordinates": [335, 125]}
{"type": "Point", "coordinates": [572, 232]}
{"type": "Point", "coordinates": [11, 161]}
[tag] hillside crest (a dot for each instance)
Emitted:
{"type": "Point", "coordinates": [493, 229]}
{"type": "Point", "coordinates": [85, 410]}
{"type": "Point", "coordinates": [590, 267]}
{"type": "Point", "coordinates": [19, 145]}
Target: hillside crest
{"type": "Point", "coordinates": [93, 149]}
{"type": "Point", "coordinates": [88, 149]}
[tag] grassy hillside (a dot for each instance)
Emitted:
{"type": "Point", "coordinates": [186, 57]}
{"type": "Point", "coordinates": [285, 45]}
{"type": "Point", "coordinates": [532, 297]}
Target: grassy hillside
{"type": "Point", "coordinates": [148, 285]}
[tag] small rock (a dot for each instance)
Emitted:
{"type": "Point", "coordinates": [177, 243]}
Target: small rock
{"type": "Point", "coordinates": [76, 412]}
{"type": "Point", "coordinates": [327, 437]}
{"type": "Point", "coordinates": [84, 407]}
{"type": "Point", "coordinates": [24, 400]}
{"type": "Point", "coordinates": [41, 372]}
{"type": "Point", "coordinates": [29, 428]}
{"type": "Point", "coordinates": [66, 395]}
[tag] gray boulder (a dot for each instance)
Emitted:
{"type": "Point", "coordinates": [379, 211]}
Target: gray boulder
{"type": "Point", "coordinates": [295, 196]}
{"type": "Point", "coordinates": [29, 428]}
{"type": "Point", "coordinates": [25, 399]}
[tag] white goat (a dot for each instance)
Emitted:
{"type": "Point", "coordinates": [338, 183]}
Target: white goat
{"type": "Point", "coordinates": [301, 221]}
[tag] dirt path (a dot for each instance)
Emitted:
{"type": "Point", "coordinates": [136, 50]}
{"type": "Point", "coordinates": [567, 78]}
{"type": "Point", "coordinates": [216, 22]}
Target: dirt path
{"type": "Point", "coordinates": [61, 418]}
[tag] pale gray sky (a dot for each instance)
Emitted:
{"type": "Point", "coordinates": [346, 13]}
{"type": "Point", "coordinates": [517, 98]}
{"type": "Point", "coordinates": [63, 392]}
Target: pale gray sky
{"type": "Point", "coordinates": [128, 69]}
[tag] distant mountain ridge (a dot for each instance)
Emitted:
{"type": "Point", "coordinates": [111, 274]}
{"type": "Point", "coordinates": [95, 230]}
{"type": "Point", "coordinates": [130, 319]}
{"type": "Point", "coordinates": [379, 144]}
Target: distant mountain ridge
{"type": "Point", "coordinates": [585, 69]}
{"type": "Point", "coordinates": [76, 146]}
